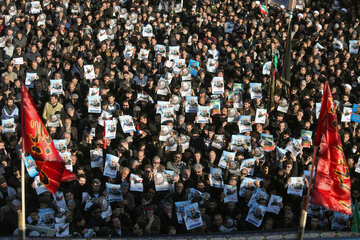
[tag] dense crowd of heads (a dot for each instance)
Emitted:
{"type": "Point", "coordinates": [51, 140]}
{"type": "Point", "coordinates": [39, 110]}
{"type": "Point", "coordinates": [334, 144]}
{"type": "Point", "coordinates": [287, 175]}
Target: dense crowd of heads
{"type": "Point", "coordinates": [187, 89]}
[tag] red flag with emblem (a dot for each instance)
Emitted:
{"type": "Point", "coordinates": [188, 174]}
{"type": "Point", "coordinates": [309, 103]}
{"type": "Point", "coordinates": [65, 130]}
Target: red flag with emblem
{"type": "Point", "coordinates": [331, 188]}
{"type": "Point", "coordinates": [38, 143]}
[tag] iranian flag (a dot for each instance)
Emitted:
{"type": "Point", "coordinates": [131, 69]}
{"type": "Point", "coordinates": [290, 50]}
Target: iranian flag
{"type": "Point", "coordinates": [264, 10]}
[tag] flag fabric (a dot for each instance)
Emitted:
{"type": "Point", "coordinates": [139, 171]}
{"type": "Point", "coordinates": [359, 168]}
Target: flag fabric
{"type": "Point", "coordinates": [38, 143]}
{"type": "Point", "coordinates": [285, 76]}
{"type": "Point", "coordinates": [271, 105]}
{"type": "Point", "coordinates": [331, 188]}
{"type": "Point", "coordinates": [264, 10]}
{"type": "Point", "coordinates": [355, 226]}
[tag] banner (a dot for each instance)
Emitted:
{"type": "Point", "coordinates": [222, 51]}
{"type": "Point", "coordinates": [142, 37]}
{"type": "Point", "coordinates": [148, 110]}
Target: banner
{"type": "Point", "coordinates": [331, 188]}
{"type": "Point", "coordinates": [38, 143]}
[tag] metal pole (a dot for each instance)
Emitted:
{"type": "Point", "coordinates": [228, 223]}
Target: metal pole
{"type": "Point", "coordinates": [303, 216]}
{"type": "Point", "coordinates": [21, 213]}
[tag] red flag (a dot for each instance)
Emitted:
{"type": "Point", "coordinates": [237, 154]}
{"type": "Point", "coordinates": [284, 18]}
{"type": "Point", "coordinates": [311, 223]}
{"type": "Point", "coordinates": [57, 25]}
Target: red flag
{"type": "Point", "coordinates": [331, 188]}
{"type": "Point", "coordinates": [38, 143]}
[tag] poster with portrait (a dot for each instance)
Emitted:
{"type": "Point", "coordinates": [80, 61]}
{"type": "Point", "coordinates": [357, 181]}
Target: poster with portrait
{"type": "Point", "coordinates": [179, 64]}
{"type": "Point", "coordinates": [94, 91]}
{"type": "Point", "coordinates": [129, 51]}
{"type": "Point", "coordinates": [255, 90]}
{"type": "Point", "coordinates": [171, 144]}
{"type": "Point", "coordinates": [18, 61]}
{"type": "Point", "coordinates": [215, 106]}
{"type": "Point", "coordinates": [89, 71]}
{"type": "Point", "coordinates": [105, 115]}
{"type": "Point", "coordinates": [127, 123]}
{"type": "Point", "coordinates": [46, 217]}
{"type": "Point", "coordinates": [232, 116]}
{"type": "Point", "coordinates": [161, 182]}
{"type": "Point", "coordinates": [249, 165]}
{"type": "Point", "coordinates": [230, 192]}
{"type": "Point", "coordinates": [247, 184]}
{"type": "Point", "coordinates": [62, 229]}
{"type": "Point", "coordinates": [259, 153]}
{"type": "Point", "coordinates": [54, 120]}
{"type": "Point", "coordinates": [30, 166]}
{"type": "Point", "coordinates": [256, 214]}
{"type": "Point", "coordinates": [136, 183]}
{"type": "Point", "coordinates": [66, 156]}
{"type": "Point", "coordinates": [241, 143]}
{"type": "Point", "coordinates": [169, 174]}
{"type": "Point", "coordinates": [258, 196]}
{"type": "Point", "coordinates": [275, 204]}
{"type": "Point", "coordinates": [196, 196]}
{"type": "Point", "coordinates": [102, 36]}
{"type": "Point", "coordinates": [211, 65]}
{"type": "Point", "coordinates": [162, 87]}
{"type": "Point", "coordinates": [165, 131]}
{"type": "Point", "coordinates": [217, 85]}
{"type": "Point", "coordinates": [215, 177]}
{"type": "Point", "coordinates": [340, 221]}
{"type": "Point", "coordinates": [237, 99]}
{"type": "Point", "coordinates": [280, 153]}
{"type": "Point", "coordinates": [194, 67]}
{"type": "Point", "coordinates": [111, 163]}
{"type": "Point", "coordinates": [229, 27]}
{"type": "Point", "coordinates": [94, 104]}
{"type": "Point", "coordinates": [60, 200]}
{"type": "Point", "coordinates": [203, 114]}
{"type": "Point", "coordinates": [346, 114]}
{"type": "Point", "coordinates": [179, 207]}
{"type": "Point", "coordinates": [160, 49]}
{"type": "Point", "coordinates": [144, 54]}
{"type": "Point", "coordinates": [283, 106]}
{"type": "Point", "coordinates": [317, 109]}
{"type": "Point", "coordinates": [218, 141]}
{"type": "Point", "coordinates": [96, 158]}
{"type": "Point", "coordinates": [261, 115]}
{"type": "Point", "coordinates": [268, 142]}
{"type": "Point", "coordinates": [337, 44]}
{"type": "Point", "coordinates": [213, 53]}
{"type": "Point", "coordinates": [60, 145]}
{"type": "Point", "coordinates": [266, 70]}
{"type": "Point", "coordinates": [192, 216]}
{"type": "Point", "coordinates": [225, 158]}
{"type": "Point", "coordinates": [185, 89]}
{"type": "Point", "coordinates": [147, 31]}
{"type": "Point", "coordinates": [8, 125]}
{"type": "Point", "coordinates": [355, 115]}
{"type": "Point", "coordinates": [174, 52]}
{"type": "Point", "coordinates": [39, 186]}
{"type": "Point", "coordinates": [33, 7]}
{"type": "Point", "coordinates": [357, 169]}
{"type": "Point", "coordinates": [296, 186]}
{"type": "Point", "coordinates": [56, 86]}
{"type": "Point", "coordinates": [110, 129]}
{"type": "Point", "coordinates": [30, 79]}
{"type": "Point", "coordinates": [354, 46]}
{"type": "Point", "coordinates": [175, 101]}
{"type": "Point", "coordinates": [294, 146]}
{"type": "Point", "coordinates": [191, 104]}
{"type": "Point", "coordinates": [306, 138]}
{"type": "Point", "coordinates": [167, 114]}
{"type": "Point", "coordinates": [114, 192]}
{"type": "Point", "coordinates": [185, 141]}
{"type": "Point", "coordinates": [245, 124]}
{"type": "Point", "coordinates": [238, 87]}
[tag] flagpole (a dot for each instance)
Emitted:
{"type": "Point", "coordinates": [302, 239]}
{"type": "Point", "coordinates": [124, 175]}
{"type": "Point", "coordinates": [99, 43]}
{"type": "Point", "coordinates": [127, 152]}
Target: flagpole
{"type": "Point", "coordinates": [21, 213]}
{"type": "Point", "coordinates": [271, 86]}
{"type": "Point", "coordinates": [303, 216]}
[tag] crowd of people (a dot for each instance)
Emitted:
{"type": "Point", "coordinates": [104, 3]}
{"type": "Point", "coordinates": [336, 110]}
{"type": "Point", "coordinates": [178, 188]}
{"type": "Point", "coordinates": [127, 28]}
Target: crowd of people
{"type": "Point", "coordinates": [162, 112]}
